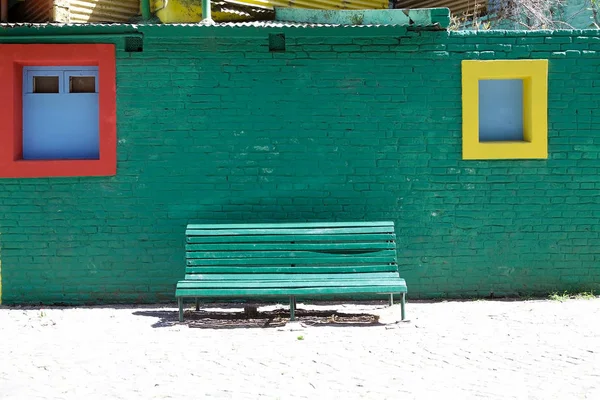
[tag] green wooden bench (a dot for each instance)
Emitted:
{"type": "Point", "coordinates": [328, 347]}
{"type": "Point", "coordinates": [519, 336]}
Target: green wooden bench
{"type": "Point", "coordinates": [289, 260]}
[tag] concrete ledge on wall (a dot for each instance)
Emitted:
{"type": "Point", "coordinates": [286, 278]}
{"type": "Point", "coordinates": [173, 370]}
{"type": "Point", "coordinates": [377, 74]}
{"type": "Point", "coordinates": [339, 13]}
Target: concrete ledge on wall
{"type": "Point", "coordinates": [426, 17]}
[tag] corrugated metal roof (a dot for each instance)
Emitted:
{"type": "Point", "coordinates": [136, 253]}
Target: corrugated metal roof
{"type": "Point", "coordinates": [320, 4]}
{"type": "Point", "coordinates": [54, 25]}
{"type": "Point", "coordinates": [248, 24]}
{"type": "Point", "coordinates": [30, 31]}
{"type": "Point", "coordinates": [291, 24]}
{"type": "Point", "coordinates": [102, 10]}
{"type": "Point", "coordinates": [37, 11]}
{"type": "Point", "coordinates": [190, 11]}
{"type": "Point", "coordinates": [79, 11]}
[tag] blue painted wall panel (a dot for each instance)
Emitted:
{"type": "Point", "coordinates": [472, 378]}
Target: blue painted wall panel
{"type": "Point", "coordinates": [60, 126]}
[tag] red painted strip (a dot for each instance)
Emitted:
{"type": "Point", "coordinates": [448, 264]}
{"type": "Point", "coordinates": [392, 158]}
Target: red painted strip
{"type": "Point", "coordinates": [14, 57]}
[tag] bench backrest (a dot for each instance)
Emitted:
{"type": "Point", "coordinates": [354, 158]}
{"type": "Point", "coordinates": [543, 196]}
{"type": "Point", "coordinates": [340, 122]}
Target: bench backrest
{"type": "Point", "coordinates": [295, 248]}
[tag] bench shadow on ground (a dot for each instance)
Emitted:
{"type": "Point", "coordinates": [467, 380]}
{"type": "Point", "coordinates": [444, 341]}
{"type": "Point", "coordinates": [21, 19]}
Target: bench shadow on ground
{"type": "Point", "coordinates": [224, 319]}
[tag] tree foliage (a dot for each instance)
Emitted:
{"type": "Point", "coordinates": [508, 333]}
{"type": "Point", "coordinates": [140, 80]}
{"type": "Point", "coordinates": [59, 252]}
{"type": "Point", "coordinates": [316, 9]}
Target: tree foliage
{"type": "Point", "coordinates": [532, 14]}
{"type": "Point", "coordinates": [595, 9]}
{"type": "Point", "coordinates": [523, 14]}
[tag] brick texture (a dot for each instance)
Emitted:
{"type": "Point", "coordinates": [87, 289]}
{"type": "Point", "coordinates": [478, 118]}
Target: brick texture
{"type": "Point", "coordinates": [220, 130]}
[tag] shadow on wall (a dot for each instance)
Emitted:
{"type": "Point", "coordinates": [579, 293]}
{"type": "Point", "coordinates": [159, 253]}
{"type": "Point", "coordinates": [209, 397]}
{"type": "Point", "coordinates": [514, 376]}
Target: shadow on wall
{"type": "Point", "coordinates": [300, 206]}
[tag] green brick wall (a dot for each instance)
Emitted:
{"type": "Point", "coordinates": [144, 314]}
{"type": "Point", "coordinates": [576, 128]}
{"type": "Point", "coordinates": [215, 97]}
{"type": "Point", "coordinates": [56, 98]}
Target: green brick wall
{"type": "Point", "coordinates": [343, 125]}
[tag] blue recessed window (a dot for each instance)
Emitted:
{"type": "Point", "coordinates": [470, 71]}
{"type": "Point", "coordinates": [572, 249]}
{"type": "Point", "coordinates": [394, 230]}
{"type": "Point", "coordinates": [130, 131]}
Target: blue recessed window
{"type": "Point", "coordinates": [500, 110]}
{"type": "Point", "coordinates": [60, 113]}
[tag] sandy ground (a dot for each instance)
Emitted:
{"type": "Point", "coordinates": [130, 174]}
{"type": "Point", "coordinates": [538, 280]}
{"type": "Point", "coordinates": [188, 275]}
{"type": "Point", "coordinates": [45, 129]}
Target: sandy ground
{"type": "Point", "coordinates": [464, 350]}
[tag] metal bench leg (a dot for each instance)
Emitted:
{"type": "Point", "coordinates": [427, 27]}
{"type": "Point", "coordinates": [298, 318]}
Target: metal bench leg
{"type": "Point", "coordinates": [402, 304]}
{"type": "Point", "coordinates": [292, 308]}
{"type": "Point", "coordinates": [391, 299]}
{"type": "Point", "coordinates": [197, 304]}
{"type": "Point", "coordinates": [180, 303]}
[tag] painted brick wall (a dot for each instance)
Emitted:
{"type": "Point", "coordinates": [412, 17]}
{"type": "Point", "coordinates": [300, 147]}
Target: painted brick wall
{"type": "Point", "coordinates": [336, 128]}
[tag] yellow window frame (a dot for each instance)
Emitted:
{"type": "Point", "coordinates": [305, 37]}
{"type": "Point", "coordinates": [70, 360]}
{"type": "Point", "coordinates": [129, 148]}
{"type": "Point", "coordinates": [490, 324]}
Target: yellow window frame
{"type": "Point", "coordinates": [534, 74]}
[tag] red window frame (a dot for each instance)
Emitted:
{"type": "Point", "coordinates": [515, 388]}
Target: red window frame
{"type": "Point", "coordinates": [14, 58]}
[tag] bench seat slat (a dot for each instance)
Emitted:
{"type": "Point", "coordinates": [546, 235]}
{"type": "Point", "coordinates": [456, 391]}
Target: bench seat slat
{"type": "Point", "coordinates": [289, 231]}
{"type": "Point", "coordinates": [400, 287]}
{"type": "Point", "coordinates": [371, 237]}
{"type": "Point", "coordinates": [237, 247]}
{"type": "Point", "coordinates": [288, 255]}
{"type": "Point", "coordinates": [293, 225]}
{"type": "Point", "coordinates": [361, 259]}
{"type": "Point", "coordinates": [283, 283]}
{"type": "Point", "coordinates": [280, 277]}
{"type": "Point", "coordinates": [289, 269]}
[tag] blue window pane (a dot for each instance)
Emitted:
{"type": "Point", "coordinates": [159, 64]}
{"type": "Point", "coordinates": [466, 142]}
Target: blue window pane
{"type": "Point", "coordinates": [501, 110]}
{"type": "Point", "coordinates": [61, 125]}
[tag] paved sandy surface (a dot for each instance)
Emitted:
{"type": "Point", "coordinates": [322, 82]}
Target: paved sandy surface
{"type": "Point", "coordinates": [464, 350]}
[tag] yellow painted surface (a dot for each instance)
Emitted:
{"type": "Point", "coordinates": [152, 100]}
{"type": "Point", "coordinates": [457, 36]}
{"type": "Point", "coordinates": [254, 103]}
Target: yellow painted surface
{"type": "Point", "coordinates": [535, 109]}
{"type": "Point", "coordinates": [177, 11]}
